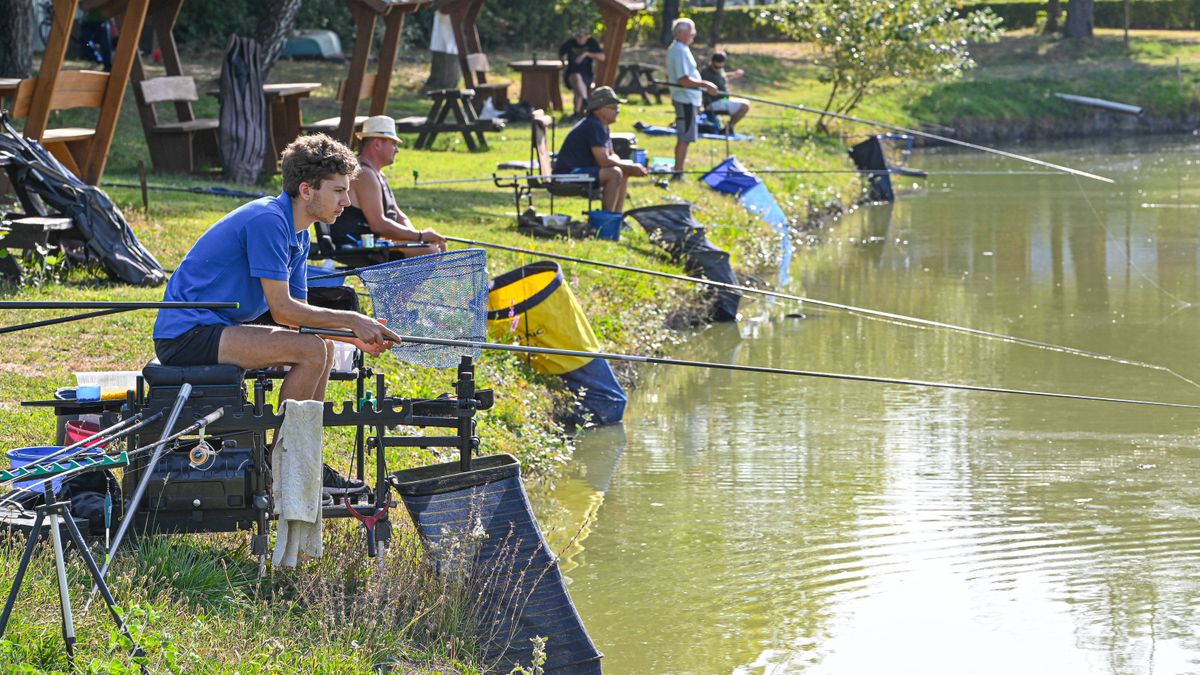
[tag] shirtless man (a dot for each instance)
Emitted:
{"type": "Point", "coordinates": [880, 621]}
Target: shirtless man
{"type": "Point", "coordinates": [373, 206]}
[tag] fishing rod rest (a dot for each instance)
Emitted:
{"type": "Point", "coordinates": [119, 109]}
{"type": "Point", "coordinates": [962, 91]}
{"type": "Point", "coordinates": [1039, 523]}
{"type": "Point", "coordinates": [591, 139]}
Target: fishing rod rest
{"type": "Point", "coordinates": [231, 491]}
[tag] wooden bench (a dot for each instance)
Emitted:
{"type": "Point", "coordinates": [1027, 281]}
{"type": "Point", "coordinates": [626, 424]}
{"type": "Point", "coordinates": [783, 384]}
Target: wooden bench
{"type": "Point", "coordinates": [446, 102]}
{"type": "Point", "coordinates": [73, 89]}
{"type": "Point", "coordinates": [496, 91]}
{"type": "Point", "coordinates": [33, 236]}
{"type": "Point", "coordinates": [638, 78]}
{"type": "Point", "coordinates": [183, 146]}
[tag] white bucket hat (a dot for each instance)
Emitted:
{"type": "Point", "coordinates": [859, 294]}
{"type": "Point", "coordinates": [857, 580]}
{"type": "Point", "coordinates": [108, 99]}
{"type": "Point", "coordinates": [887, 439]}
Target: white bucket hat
{"type": "Point", "coordinates": [379, 126]}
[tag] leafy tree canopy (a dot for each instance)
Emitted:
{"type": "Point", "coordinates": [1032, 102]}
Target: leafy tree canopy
{"type": "Point", "coordinates": [869, 45]}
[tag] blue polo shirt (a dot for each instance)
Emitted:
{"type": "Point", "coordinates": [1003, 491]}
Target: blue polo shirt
{"type": "Point", "coordinates": [576, 150]}
{"type": "Point", "coordinates": [256, 241]}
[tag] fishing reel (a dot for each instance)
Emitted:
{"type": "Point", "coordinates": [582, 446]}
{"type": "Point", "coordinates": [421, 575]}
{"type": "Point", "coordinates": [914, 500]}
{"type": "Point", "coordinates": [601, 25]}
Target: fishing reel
{"type": "Point", "coordinates": [202, 455]}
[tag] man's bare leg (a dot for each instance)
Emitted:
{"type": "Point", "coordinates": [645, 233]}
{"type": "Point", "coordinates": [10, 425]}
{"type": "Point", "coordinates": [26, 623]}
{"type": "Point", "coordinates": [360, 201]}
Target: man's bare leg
{"type": "Point", "coordinates": [681, 150]}
{"type": "Point", "coordinates": [612, 192]}
{"type": "Point", "coordinates": [737, 116]}
{"type": "Point", "coordinates": [580, 90]}
{"type": "Point", "coordinates": [309, 356]}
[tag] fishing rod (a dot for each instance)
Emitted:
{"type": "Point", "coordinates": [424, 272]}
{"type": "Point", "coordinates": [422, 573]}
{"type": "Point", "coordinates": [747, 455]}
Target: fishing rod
{"type": "Point", "coordinates": [103, 309]}
{"type": "Point", "coordinates": [212, 190]}
{"type": "Point", "coordinates": [922, 134]}
{"type": "Point", "coordinates": [474, 344]}
{"type": "Point", "coordinates": [872, 313]}
{"type": "Point", "coordinates": [900, 171]}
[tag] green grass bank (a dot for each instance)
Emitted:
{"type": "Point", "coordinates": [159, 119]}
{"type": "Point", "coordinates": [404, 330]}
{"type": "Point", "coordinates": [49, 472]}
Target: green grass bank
{"type": "Point", "coordinates": [195, 601]}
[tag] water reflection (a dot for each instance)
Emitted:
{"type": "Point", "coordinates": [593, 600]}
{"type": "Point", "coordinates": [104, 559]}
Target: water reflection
{"type": "Point", "coordinates": [758, 524]}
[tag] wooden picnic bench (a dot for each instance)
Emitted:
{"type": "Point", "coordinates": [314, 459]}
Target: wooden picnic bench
{"type": "Point", "coordinates": [638, 78]}
{"type": "Point", "coordinates": [33, 232]}
{"type": "Point", "coordinates": [446, 102]}
{"type": "Point", "coordinates": [185, 145]}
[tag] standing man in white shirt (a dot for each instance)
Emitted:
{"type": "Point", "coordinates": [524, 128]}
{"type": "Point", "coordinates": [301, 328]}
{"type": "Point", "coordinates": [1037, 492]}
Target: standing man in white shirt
{"type": "Point", "coordinates": [687, 94]}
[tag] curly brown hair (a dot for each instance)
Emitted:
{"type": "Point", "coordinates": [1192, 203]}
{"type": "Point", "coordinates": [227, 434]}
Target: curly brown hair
{"type": "Point", "coordinates": [311, 159]}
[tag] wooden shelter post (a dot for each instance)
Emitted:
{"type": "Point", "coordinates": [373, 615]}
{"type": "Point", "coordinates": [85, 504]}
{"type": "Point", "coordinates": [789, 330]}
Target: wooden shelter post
{"type": "Point", "coordinates": [52, 63]}
{"type": "Point", "coordinates": [133, 19]}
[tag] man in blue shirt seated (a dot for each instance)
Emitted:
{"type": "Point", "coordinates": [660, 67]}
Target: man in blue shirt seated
{"type": "Point", "coordinates": [256, 256]}
{"type": "Point", "coordinates": [588, 150]}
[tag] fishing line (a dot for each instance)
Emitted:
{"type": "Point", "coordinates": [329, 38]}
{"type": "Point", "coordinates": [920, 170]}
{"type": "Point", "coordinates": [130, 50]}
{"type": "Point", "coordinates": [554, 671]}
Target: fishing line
{"type": "Point", "coordinates": [1108, 237]}
{"type": "Point", "coordinates": [922, 134]}
{"type": "Point", "coordinates": [473, 344]}
{"type": "Point", "coordinates": [861, 311]}
{"type": "Point", "coordinates": [906, 172]}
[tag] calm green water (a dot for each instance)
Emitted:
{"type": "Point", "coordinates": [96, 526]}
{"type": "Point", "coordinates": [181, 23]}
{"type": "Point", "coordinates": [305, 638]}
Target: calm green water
{"type": "Point", "coordinates": [756, 524]}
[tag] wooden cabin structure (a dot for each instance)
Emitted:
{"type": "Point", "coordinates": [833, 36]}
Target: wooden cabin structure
{"type": "Point", "coordinates": [82, 150]}
{"type": "Point", "coordinates": [359, 84]}
{"type": "Point", "coordinates": [465, 13]}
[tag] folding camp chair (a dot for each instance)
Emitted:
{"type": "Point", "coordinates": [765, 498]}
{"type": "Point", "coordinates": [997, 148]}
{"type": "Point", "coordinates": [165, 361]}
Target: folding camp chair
{"type": "Point", "coordinates": [540, 161]}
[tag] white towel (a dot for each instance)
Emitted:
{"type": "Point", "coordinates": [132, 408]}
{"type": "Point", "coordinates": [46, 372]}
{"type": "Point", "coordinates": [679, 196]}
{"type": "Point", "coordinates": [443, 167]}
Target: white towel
{"type": "Point", "coordinates": [296, 465]}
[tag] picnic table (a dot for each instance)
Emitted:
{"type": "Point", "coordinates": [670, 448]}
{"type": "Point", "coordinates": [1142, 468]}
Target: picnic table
{"type": "Point", "coordinates": [8, 87]}
{"type": "Point", "coordinates": [466, 121]}
{"type": "Point", "coordinates": [540, 83]}
{"type": "Point", "coordinates": [284, 121]}
{"type": "Point", "coordinates": [638, 78]}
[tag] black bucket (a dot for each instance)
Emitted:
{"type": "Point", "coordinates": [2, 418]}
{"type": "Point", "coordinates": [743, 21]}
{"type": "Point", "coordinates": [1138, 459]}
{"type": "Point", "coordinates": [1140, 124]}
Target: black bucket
{"type": "Point", "coordinates": [523, 595]}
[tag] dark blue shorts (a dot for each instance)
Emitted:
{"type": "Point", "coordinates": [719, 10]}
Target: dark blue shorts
{"type": "Point", "coordinates": [593, 171]}
{"type": "Point", "coordinates": [199, 346]}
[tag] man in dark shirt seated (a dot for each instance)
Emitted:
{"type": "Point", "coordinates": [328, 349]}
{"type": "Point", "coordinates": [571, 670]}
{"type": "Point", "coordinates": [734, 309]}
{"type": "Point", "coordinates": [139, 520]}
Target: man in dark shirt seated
{"type": "Point", "coordinates": [578, 53]}
{"type": "Point", "coordinates": [735, 107]}
{"type": "Point", "coordinates": [588, 150]}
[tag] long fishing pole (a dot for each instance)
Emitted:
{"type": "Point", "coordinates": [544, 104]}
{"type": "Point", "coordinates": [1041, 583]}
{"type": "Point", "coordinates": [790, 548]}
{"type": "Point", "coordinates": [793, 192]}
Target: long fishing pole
{"type": "Point", "coordinates": [922, 134]}
{"type": "Point", "coordinates": [474, 344]}
{"type": "Point", "coordinates": [899, 171]}
{"type": "Point", "coordinates": [874, 313]}
{"type": "Point", "coordinates": [103, 309]}
{"type": "Point", "coordinates": [212, 190]}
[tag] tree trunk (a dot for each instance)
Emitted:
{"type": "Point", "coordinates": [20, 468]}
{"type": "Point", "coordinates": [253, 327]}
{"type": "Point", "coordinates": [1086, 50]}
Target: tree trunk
{"type": "Point", "coordinates": [670, 12]}
{"type": "Point", "coordinates": [1080, 19]}
{"type": "Point", "coordinates": [718, 17]}
{"type": "Point", "coordinates": [248, 62]}
{"type": "Point", "coordinates": [1053, 9]}
{"type": "Point", "coordinates": [16, 38]}
{"type": "Point", "coordinates": [273, 30]}
{"type": "Point", "coordinates": [243, 111]}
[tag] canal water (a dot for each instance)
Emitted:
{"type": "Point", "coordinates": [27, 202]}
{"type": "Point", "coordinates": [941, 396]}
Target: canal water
{"type": "Point", "coordinates": [742, 523]}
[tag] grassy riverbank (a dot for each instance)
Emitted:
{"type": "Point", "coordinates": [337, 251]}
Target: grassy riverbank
{"type": "Point", "coordinates": [196, 602]}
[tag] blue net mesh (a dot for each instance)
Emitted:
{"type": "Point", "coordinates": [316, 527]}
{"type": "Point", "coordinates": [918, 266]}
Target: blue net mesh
{"type": "Point", "coordinates": [443, 295]}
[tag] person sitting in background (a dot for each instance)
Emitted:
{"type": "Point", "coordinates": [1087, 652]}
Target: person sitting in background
{"type": "Point", "coordinates": [588, 149]}
{"type": "Point", "coordinates": [715, 72]}
{"type": "Point", "coordinates": [373, 208]}
{"type": "Point", "coordinates": [578, 53]}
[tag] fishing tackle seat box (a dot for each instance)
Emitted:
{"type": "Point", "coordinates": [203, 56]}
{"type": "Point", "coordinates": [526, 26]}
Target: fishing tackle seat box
{"type": "Point", "coordinates": [183, 498]}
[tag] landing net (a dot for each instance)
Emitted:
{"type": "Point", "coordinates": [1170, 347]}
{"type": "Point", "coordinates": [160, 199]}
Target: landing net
{"type": "Point", "coordinates": [443, 295]}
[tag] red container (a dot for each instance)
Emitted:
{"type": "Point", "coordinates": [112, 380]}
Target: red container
{"type": "Point", "coordinates": [78, 430]}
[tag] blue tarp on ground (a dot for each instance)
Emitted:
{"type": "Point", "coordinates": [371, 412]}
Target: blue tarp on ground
{"type": "Point", "coordinates": [656, 130]}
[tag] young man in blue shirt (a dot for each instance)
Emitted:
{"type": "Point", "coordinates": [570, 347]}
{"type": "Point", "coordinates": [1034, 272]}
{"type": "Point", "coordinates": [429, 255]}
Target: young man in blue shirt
{"type": "Point", "coordinates": [257, 256]}
{"type": "Point", "coordinates": [587, 149]}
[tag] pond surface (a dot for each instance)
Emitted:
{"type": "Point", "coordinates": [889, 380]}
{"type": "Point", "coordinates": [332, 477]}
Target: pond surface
{"type": "Point", "coordinates": [743, 523]}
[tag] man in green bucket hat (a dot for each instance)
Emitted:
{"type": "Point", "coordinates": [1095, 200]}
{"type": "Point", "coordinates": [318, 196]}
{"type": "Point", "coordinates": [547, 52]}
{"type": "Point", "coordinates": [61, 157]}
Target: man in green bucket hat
{"type": "Point", "coordinates": [588, 150]}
